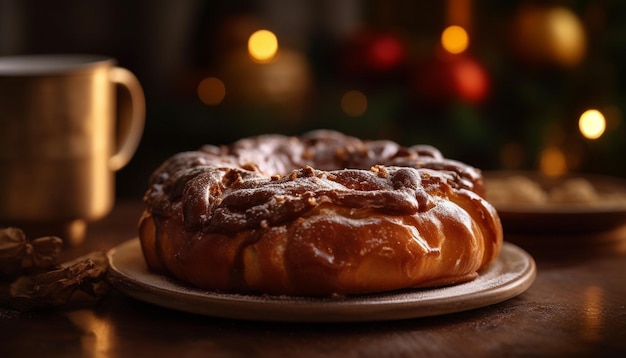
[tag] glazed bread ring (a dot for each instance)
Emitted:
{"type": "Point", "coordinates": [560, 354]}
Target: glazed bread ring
{"type": "Point", "coordinates": [320, 214]}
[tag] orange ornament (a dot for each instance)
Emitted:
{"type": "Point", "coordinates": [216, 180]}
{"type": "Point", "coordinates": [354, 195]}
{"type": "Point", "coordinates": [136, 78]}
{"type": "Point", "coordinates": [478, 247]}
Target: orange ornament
{"type": "Point", "coordinates": [548, 35]}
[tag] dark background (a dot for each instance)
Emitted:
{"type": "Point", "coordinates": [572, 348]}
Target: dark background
{"type": "Point", "coordinates": [532, 104]}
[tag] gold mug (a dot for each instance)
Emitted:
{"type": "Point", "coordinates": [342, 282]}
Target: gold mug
{"type": "Point", "coordinates": [67, 124]}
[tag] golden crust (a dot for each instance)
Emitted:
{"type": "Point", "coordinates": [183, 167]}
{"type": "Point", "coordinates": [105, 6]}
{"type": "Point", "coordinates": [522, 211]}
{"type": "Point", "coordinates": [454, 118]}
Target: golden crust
{"type": "Point", "coordinates": [314, 232]}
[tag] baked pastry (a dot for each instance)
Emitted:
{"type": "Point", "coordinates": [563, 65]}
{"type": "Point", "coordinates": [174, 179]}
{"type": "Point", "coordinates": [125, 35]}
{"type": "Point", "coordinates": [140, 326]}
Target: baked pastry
{"type": "Point", "coordinates": [319, 214]}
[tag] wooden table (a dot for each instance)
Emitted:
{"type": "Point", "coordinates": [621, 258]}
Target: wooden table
{"type": "Point", "coordinates": [576, 307]}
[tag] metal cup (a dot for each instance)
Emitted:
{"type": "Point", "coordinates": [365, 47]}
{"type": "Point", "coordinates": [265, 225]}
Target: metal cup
{"type": "Point", "coordinates": [67, 123]}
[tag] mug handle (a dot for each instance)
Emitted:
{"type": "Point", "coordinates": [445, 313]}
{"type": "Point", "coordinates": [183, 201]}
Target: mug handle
{"type": "Point", "coordinates": [132, 119]}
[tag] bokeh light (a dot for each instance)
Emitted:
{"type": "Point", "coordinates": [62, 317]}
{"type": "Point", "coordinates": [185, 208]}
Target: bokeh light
{"type": "Point", "coordinates": [211, 91]}
{"type": "Point", "coordinates": [454, 39]}
{"type": "Point", "coordinates": [354, 103]}
{"type": "Point", "coordinates": [387, 52]}
{"type": "Point", "coordinates": [552, 161]}
{"type": "Point", "coordinates": [592, 124]}
{"type": "Point", "coordinates": [567, 35]}
{"type": "Point", "coordinates": [263, 46]}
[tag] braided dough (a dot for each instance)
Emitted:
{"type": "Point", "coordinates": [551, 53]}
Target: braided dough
{"type": "Point", "coordinates": [319, 214]}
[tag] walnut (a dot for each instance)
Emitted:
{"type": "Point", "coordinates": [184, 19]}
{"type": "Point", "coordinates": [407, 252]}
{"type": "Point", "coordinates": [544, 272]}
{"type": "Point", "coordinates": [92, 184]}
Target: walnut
{"type": "Point", "coordinates": [19, 256]}
{"type": "Point", "coordinates": [39, 280]}
{"type": "Point", "coordinates": [56, 287]}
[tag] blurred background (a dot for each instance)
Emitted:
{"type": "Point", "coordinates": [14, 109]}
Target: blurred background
{"type": "Point", "coordinates": [516, 84]}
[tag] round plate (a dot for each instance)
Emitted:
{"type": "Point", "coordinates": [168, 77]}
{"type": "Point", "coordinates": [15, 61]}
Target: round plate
{"type": "Point", "coordinates": [604, 214]}
{"type": "Point", "coordinates": [508, 276]}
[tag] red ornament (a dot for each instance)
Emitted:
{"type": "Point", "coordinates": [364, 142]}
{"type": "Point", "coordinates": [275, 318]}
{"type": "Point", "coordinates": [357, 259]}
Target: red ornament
{"type": "Point", "coordinates": [452, 77]}
{"type": "Point", "coordinates": [385, 53]}
{"type": "Point", "coordinates": [372, 54]}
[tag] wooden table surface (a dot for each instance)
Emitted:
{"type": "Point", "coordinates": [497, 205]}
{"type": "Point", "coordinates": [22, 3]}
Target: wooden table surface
{"type": "Point", "coordinates": [575, 307]}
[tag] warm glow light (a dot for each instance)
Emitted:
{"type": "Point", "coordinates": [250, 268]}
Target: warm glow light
{"type": "Point", "coordinates": [354, 103]}
{"type": "Point", "coordinates": [592, 124]}
{"type": "Point", "coordinates": [454, 39]}
{"type": "Point", "coordinates": [592, 314]}
{"type": "Point", "coordinates": [567, 35]}
{"type": "Point", "coordinates": [97, 334]}
{"type": "Point", "coordinates": [553, 162]}
{"type": "Point", "coordinates": [211, 91]}
{"type": "Point", "coordinates": [263, 46]}
{"type": "Point", "coordinates": [459, 12]}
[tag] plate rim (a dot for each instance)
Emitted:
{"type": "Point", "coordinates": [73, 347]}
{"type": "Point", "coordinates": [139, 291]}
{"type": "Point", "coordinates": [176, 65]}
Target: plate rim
{"type": "Point", "coordinates": [372, 307]}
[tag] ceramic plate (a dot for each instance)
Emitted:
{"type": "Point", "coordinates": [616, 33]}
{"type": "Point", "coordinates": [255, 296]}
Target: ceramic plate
{"type": "Point", "coordinates": [511, 274]}
{"type": "Point", "coordinates": [606, 210]}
